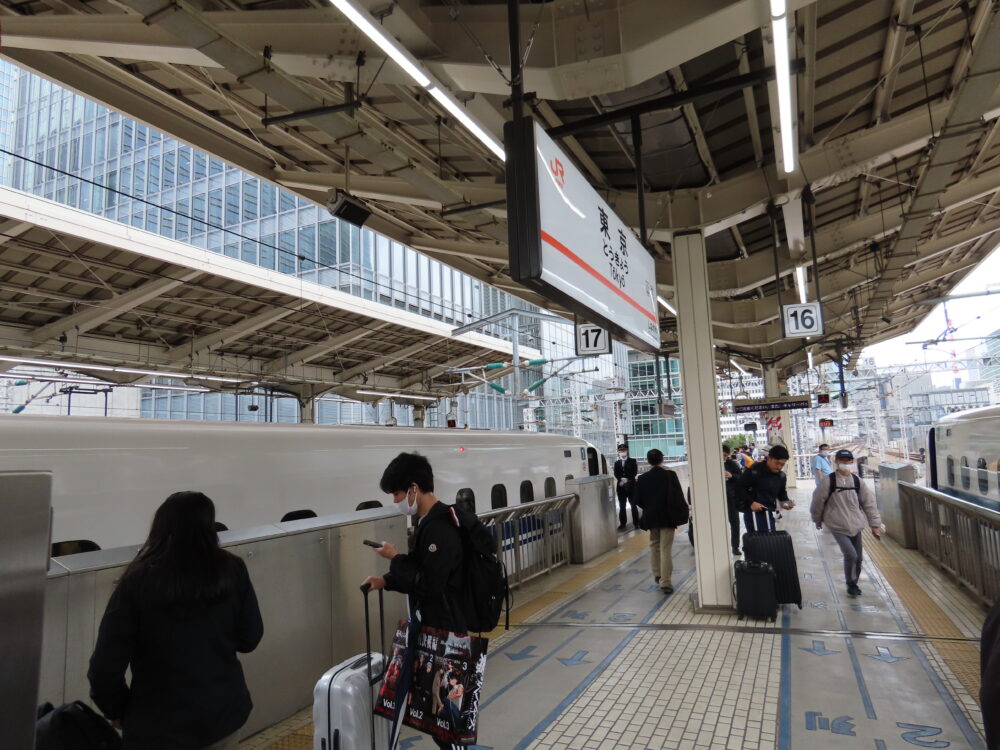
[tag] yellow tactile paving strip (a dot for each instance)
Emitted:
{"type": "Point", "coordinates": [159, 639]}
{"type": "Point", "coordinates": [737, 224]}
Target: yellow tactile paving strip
{"type": "Point", "coordinates": [961, 657]}
{"type": "Point", "coordinates": [302, 737]}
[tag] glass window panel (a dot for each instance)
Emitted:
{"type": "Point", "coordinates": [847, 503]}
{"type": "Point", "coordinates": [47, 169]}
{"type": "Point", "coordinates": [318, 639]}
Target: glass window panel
{"type": "Point", "coordinates": [250, 212]}
{"type": "Point", "coordinates": [286, 257]}
{"type": "Point", "coordinates": [345, 242]}
{"type": "Point", "coordinates": [328, 243]}
{"type": "Point", "coordinates": [267, 251]}
{"type": "Point", "coordinates": [286, 201]}
{"type": "Point", "coordinates": [307, 248]}
{"type": "Point", "coordinates": [232, 205]}
{"type": "Point", "coordinates": [170, 170]}
{"type": "Point", "coordinates": [153, 175]}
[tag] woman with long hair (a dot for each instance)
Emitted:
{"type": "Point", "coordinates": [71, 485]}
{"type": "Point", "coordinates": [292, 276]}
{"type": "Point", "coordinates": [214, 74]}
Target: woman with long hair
{"type": "Point", "coordinates": [180, 613]}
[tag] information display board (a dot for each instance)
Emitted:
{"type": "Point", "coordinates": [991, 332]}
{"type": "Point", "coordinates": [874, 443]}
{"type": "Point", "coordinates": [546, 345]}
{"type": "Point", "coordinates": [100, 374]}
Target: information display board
{"type": "Point", "coordinates": [568, 244]}
{"type": "Point", "coordinates": [826, 423]}
{"type": "Point", "coordinates": [776, 403]}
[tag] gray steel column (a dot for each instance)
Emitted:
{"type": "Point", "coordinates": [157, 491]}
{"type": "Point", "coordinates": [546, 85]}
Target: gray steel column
{"type": "Point", "coordinates": [701, 423]}
{"type": "Point", "coordinates": [25, 500]}
{"type": "Point", "coordinates": [307, 409]}
{"type": "Point", "coordinates": [773, 388]}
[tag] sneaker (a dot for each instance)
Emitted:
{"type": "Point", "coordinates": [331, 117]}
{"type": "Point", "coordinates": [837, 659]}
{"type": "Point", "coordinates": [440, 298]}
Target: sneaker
{"type": "Point", "coordinates": [853, 590]}
{"type": "Point", "coordinates": [667, 589]}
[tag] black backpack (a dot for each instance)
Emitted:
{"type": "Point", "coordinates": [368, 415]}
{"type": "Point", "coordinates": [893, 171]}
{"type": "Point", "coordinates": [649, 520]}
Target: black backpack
{"type": "Point", "coordinates": [73, 726]}
{"type": "Point", "coordinates": [485, 576]}
{"type": "Point", "coordinates": [835, 488]}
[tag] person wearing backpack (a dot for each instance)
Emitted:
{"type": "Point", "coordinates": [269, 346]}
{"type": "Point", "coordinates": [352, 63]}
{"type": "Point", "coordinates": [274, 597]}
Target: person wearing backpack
{"type": "Point", "coordinates": [846, 505]}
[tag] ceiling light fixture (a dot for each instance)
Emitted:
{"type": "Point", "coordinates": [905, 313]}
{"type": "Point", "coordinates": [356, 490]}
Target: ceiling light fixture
{"type": "Point", "coordinates": [361, 18]}
{"type": "Point", "coordinates": [123, 370]}
{"type": "Point", "coordinates": [397, 395]}
{"type": "Point", "coordinates": [783, 78]}
{"type": "Point", "coordinates": [667, 305]}
{"type": "Point", "coordinates": [809, 356]}
{"type": "Point", "coordinates": [800, 283]}
{"type": "Point", "coordinates": [387, 44]}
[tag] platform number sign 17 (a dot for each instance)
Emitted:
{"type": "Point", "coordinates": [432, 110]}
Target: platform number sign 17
{"type": "Point", "coordinates": [801, 320]}
{"type": "Point", "coordinates": [592, 340]}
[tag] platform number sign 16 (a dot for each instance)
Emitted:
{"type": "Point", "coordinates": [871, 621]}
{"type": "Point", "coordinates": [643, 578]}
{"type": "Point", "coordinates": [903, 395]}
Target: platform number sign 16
{"type": "Point", "coordinates": [801, 320]}
{"type": "Point", "coordinates": [592, 340]}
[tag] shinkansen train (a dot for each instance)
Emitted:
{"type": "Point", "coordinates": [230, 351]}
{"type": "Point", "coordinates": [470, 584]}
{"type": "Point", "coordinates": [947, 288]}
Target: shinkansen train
{"type": "Point", "coordinates": [964, 456]}
{"type": "Point", "coordinates": [109, 475]}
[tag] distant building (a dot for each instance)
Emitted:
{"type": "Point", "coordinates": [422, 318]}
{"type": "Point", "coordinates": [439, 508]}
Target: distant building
{"type": "Point", "coordinates": [991, 365]}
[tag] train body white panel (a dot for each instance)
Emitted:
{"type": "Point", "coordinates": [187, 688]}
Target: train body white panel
{"type": "Point", "coordinates": [109, 475]}
{"type": "Point", "coordinates": [966, 456]}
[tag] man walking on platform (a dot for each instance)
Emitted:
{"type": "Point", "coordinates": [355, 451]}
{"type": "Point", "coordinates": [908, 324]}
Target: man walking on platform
{"type": "Point", "coordinates": [821, 466]}
{"type": "Point", "coordinates": [658, 492]}
{"type": "Point", "coordinates": [626, 470]}
{"type": "Point", "coordinates": [761, 488]}
{"type": "Point", "coordinates": [732, 472]}
{"type": "Point", "coordinates": [846, 505]}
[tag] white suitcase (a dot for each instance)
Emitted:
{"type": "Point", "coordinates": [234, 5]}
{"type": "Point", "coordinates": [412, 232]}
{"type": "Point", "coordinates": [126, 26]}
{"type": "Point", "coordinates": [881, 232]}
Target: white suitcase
{"type": "Point", "coordinates": [342, 701]}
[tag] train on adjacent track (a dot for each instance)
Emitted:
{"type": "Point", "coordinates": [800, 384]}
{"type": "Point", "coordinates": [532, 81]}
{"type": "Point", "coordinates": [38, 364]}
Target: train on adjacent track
{"type": "Point", "coordinates": [109, 475]}
{"type": "Point", "coordinates": [964, 456]}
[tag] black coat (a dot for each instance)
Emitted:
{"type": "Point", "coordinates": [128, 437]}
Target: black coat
{"type": "Point", "coordinates": [760, 484]}
{"type": "Point", "coordinates": [989, 692]}
{"type": "Point", "coordinates": [658, 492]}
{"type": "Point", "coordinates": [188, 689]}
{"type": "Point", "coordinates": [733, 467]}
{"type": "Point", "coordinates": [431, 573]}
{"type": "Point", "coordinates": [627, 469]}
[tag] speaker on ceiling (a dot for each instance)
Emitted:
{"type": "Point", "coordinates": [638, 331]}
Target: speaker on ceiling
{"type": "Point", "coordinates": [348, 208]}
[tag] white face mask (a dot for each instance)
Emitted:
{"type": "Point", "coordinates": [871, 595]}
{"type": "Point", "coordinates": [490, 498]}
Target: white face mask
{"type": "Point", "coordinates": [405, 507]}
{"type": "Point", "coordinates": [845, 468]}
{"type": "Point", "coordinates": [824, 453]}
{"type": "Point", "coordinates": [622, 455]}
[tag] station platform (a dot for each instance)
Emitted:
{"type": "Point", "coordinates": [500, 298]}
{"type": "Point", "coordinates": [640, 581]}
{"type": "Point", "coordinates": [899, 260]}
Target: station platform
{"type": "Point", "coordinates": [597, 657]}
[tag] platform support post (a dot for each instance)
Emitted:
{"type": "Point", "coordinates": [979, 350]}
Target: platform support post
{"type": "Point", "coordinates": [773, 388]}
{"type": "Point", "coordinates": [307, 409]}
{"type": "Point", "coordinates": [713, 556]}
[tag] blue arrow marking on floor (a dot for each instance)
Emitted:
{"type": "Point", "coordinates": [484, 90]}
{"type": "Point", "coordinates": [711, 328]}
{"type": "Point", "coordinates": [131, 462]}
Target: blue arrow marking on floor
{"type": "Point", "coordinates": [621, 616]}
{"type": "Point", "coordinates": [408, 743]}
{"type": "Point", "coordinates": [572, 614]}
{"type": "Point", "coordinates": [615, 587]}
{"type": "Point", "coordinates": [524, 653]}
{"type": "Point", "coordinates": [843, 725]}
{"type": "Point", "coordinates": [576, 659]}
{"type": "Point", "coordinates": [884, 654]}
{"type": "Point", "coordinates": [819, 648]}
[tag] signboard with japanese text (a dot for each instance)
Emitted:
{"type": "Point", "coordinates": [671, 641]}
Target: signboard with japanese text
{"type": "Point", "coordinates": [802, 320]}
{"type": "Point", "coordinates": [592, 340]}
{"type": "Point", "coordinates": [568, 244]}
{"type": "Point", "coordinates": [777, 403]}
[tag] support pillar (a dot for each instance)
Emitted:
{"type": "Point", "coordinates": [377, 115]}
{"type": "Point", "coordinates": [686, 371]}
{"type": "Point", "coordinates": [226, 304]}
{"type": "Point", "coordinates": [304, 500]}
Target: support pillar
{"type": "Point", "coordinates": [773, 388]}
{"type": "Point", "coordinates": [713, 557]}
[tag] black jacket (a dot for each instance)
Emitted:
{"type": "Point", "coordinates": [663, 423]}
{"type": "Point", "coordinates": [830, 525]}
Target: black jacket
{"type": "Point", "coordinates": [760, 484]}
{"type": "Point", "coordinates": [188, 689]}
{"type": "Point", "coordinates": [732, 496]}
{"type": "Point", "coordinates": [627, 469]}
{"type": "Point", "coordinates": [989, 692]}
{"type": "Point", "coordinates": [431, 573]}
{"type": "Point", "coordinates": [658, 492]}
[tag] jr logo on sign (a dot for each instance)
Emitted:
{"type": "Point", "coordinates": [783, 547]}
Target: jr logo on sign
{"type": "Point", "coordinates": [558, 172]}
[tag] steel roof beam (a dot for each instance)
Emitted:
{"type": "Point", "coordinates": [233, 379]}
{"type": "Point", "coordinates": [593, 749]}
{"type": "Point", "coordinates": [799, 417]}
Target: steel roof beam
{"type": "Point", "coordinates": [229, 334]}
{"type": "Point", "coordinates": [102, 311]}
{"type": "Point", "coordinates": [379, 362]}
{"type": "Point", "coordinates": [431, 372]}
{"type": "Point", "coordinates": [306, 354]}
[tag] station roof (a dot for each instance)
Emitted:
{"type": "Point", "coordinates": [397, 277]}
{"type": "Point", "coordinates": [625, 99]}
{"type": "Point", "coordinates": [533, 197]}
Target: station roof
{"type": "Point", "coordinates": [896, 111]}
{"type": "Point", "coordinates": [123, 305]}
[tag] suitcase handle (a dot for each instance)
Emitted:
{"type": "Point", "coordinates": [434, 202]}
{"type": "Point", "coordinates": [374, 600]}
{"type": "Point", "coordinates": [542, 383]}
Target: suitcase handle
{"type": "Point", "coordinates": [372, 681]}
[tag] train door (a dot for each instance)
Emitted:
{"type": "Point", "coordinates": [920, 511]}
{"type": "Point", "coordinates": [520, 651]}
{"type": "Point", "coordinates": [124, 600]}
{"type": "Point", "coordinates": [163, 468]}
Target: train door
{"type": "Point", "coordinates": [932, 480]}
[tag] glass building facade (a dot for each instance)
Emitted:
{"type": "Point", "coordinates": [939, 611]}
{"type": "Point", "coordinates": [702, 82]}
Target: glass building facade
{"type": "Point", "coordinates": [73, 151]}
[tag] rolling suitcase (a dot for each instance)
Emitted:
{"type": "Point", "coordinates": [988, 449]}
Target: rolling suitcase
{"type": "Point", "coordinates": [775, 548]}
{"type": "Point", "coordinates": [343, 716]}
{"type": "Point", "coordinates": [755, 595]}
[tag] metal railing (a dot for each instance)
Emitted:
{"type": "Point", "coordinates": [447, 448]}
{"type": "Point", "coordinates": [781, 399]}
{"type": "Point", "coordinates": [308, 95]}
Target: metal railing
{"type": "Point", "coordinates": [962, 538]}
{"type": "Point", "coordinates": [533, 538]}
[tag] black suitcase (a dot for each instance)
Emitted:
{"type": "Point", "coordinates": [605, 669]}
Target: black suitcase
{"type": "Point", "coordinates": [73, 726]}
{"type": "Point", "coordinates": [775, 548]}
{"type": "Point", "coordinates": [755, 595]}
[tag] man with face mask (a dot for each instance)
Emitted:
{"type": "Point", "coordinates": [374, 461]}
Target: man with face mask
{"type": "Point", "coordinates": [626, 469]}
{"type": "Point", "coordinates": [846, 505]}
{"type": "Point", "coordinates": [821, 466]}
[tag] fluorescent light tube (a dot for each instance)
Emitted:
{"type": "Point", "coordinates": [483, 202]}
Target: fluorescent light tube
{"type": "Point", "coordinates": [126, 370]}
{"type": "Point", "coordinates": [397, 395]}
{"type": "Point", "coordinates": [666, 305]}
{"type": "Point", "coordinates": [458, 111]}
{"type": "Point", "coordinates": [800, 283]}
{"type": "Point", "coordinates": [809, 356]}
{"type": "Point", "coordinates": [736, 365]}
{"type": "Point", "coordinates": [387, 44]}
{"type": "Point", "coordinates": [783, 78]}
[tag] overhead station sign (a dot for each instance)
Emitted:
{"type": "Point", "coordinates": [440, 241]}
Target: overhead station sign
{"type": "Point", "coordinates": [775, 403]}
{"type": "Point", "coordinates": [568, 244]}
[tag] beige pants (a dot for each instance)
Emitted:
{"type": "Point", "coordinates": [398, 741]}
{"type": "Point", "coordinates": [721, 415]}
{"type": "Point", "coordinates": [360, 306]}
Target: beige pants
{"type": "Point", "coordinates": [226, 743]}
{"type": "Point", "coordinates": [661, 543]}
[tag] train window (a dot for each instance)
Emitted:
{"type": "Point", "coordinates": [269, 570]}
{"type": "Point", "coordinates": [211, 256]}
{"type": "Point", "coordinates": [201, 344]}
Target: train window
{"type": "Point", "coordinates": [466, 500]}
{"type": "Point", "coordinates": [498, 496]}
{"type": "Point", "coordinates": [592, 464]}
{"type": "Point", "coordinates": [984, 476]}
{"type": "Point", "coordinates": [368, 505]}
{"type": "Point", "coordinates": [550, 487]}
{"type": "Point", "coordinates": [950, 464]}
{"type": "Point", "coordinates": [567, 454]}
{"type": "Point", "coordinates": [74, 547]}
{"type": "Point", "coordinates": [527, 491]}
{"type": "Point", "coordinates": [298, 515]}
{"type": "Point", "coordinates": [966, 479]}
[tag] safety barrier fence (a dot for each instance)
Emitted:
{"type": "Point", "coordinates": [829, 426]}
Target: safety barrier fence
{"type": "Point", "coordinates": [961, 538]}
{"type": "Point", "coordinates": [533, 538]}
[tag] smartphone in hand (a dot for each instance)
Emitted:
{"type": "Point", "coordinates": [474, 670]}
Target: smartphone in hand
{"type": "Point", "coordinates": [370, 543]}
